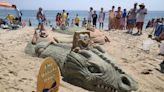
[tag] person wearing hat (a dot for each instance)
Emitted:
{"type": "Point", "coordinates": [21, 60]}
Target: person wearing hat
{"type": "Point", "coordinates": [141, 12]}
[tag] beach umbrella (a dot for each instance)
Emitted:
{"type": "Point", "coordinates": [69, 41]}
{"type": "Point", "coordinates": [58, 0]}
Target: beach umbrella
{"type": "Point", "coordinates": [18, 14]}
{"type": "Point", "coordinates": [8, 5]}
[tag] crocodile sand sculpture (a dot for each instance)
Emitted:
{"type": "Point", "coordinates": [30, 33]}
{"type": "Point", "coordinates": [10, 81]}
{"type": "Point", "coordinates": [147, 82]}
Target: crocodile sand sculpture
{"type": "Point", "coordinates": [91, 68]}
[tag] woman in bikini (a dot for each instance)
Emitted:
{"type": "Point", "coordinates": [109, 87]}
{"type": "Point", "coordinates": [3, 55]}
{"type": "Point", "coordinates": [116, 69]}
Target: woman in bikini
{"type": "Point", "coordinates": [118, 18]}
{"type": "Point", "coordinates": [111, 19]}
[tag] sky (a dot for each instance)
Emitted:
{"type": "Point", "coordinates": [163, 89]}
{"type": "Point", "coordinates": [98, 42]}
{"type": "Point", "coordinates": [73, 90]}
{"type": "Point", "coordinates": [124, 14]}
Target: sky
{"type": "Point", "coordinates": [152, 5]}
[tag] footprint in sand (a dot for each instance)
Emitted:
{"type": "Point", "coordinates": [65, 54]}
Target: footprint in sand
{"type": "Point", "coordinates": [14, 89]}
{"type": "Point", "coordinates": [125, 60]}
{"type": "Point", "coordinates": [3, 57]}
{"type": "Point", "coordinates": [10, 63]}
{"type": "Point", "coordinates": [13, 72]}
{"type": "Point", "coordinates": [147, 71]}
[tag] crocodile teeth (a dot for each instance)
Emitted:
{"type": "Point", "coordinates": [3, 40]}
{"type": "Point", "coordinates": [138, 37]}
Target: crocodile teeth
{"type": "Point", "coordinates": [106, 88]}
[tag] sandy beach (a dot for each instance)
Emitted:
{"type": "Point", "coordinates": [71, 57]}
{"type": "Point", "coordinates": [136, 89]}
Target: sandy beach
{"type": "Point", "coordinates": [18, 71]}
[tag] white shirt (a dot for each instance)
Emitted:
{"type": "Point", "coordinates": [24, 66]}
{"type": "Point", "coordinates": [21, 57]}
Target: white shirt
{"type": "Point", "coordinates": [141, 15]}
{"type": "Point", "coordinates": [90, 15]}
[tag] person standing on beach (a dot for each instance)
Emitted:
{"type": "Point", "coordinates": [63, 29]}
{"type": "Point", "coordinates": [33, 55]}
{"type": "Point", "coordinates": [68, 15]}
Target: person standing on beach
{"type": "Point", "coordinates": [29, 21]}
{"type": "Point", "coordinates": [72, 22]}
{"type": "Point", "coordinates": [94, 18]}
{"type": "Point", "coordinates": [67, 20]}
{"type": "Point", "coordinates": [64, 16]}
{"type": "Point", "coordinates": [123, 20]}
{"type": "Point", "coordinates": [141, 12]}
{"type": "Point", "coordinates": [118, 15]}
{"type": "Point", "coordinates": [90, 15]}
{"type": "Point", "coordinates": [77, 20]}
{"type": "Point", "coordinates": [101, 18]}
{"type": "Point", "coordinates": [58, 20]}
{"type": "Point", "coordinates": [131, 19]}
{"type": "Point", "coordinates": [111, 24]}
{"type": "Point", "coordinates": [40, 16]}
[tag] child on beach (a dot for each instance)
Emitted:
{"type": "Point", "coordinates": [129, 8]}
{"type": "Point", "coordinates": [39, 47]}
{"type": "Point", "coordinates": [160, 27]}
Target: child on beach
{"type": "Point", "coordinates": [111, 24]}
{"type": "Point", "coordinates": [77, 20]}
{"type": "Point", "coordinates": [84, 23]}
{"type": "Point", "coordinates": [67, 20]}
{"type": "Point", "coordinates": [101, 18]}
{"type": "Point", "coordinates": [123, 20]}
{"type": "Point", "coordinates": [140, 18]}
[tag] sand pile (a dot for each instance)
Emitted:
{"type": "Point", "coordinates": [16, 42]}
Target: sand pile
{"type": "Point", "coordinates": [18, 71]}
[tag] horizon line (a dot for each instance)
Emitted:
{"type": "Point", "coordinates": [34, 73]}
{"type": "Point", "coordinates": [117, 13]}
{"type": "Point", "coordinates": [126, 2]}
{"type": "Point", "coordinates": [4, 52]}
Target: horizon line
{"type": "Point", "coordinates": [73, 10]}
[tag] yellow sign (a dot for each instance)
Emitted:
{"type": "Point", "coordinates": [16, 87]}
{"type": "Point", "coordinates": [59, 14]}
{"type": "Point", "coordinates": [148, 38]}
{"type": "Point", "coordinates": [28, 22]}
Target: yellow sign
{"type": "Point", "coordinates": [49, 76]}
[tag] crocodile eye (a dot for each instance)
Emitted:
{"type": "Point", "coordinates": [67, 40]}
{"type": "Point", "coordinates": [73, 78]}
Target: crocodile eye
{"type": "Point", "coordinates": [94, 69]}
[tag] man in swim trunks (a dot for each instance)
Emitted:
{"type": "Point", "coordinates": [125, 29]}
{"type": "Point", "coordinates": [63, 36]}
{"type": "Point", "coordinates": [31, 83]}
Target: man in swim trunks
{"type": "Point", "coordinates": [131, 22]}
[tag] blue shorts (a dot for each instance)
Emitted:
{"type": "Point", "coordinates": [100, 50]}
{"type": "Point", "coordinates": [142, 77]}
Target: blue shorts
{"type": "Point", "coordinates": [131, 21]}
{"type": "Point", "coordinates": [40, 21]}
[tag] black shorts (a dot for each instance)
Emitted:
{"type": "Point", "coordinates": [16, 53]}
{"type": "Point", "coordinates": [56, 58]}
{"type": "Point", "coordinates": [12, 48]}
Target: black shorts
{"type": "Point", "coordinates": [77, 24]}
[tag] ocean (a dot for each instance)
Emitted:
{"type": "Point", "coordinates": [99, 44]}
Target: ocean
{"type": "Point", "coordinates": [51, 14]}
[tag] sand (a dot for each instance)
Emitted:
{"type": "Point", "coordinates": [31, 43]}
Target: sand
{"type": "Point", "coordinates": [18, 71]}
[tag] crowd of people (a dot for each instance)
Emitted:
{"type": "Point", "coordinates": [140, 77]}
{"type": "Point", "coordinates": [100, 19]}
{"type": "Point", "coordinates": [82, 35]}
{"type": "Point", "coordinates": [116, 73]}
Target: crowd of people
{"type": "Point", "coordinates": [127, 19]}
{"type": "Point", "coordinates": [118, 19]}
{"type": "Point", "coordinates": [153, 22]}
